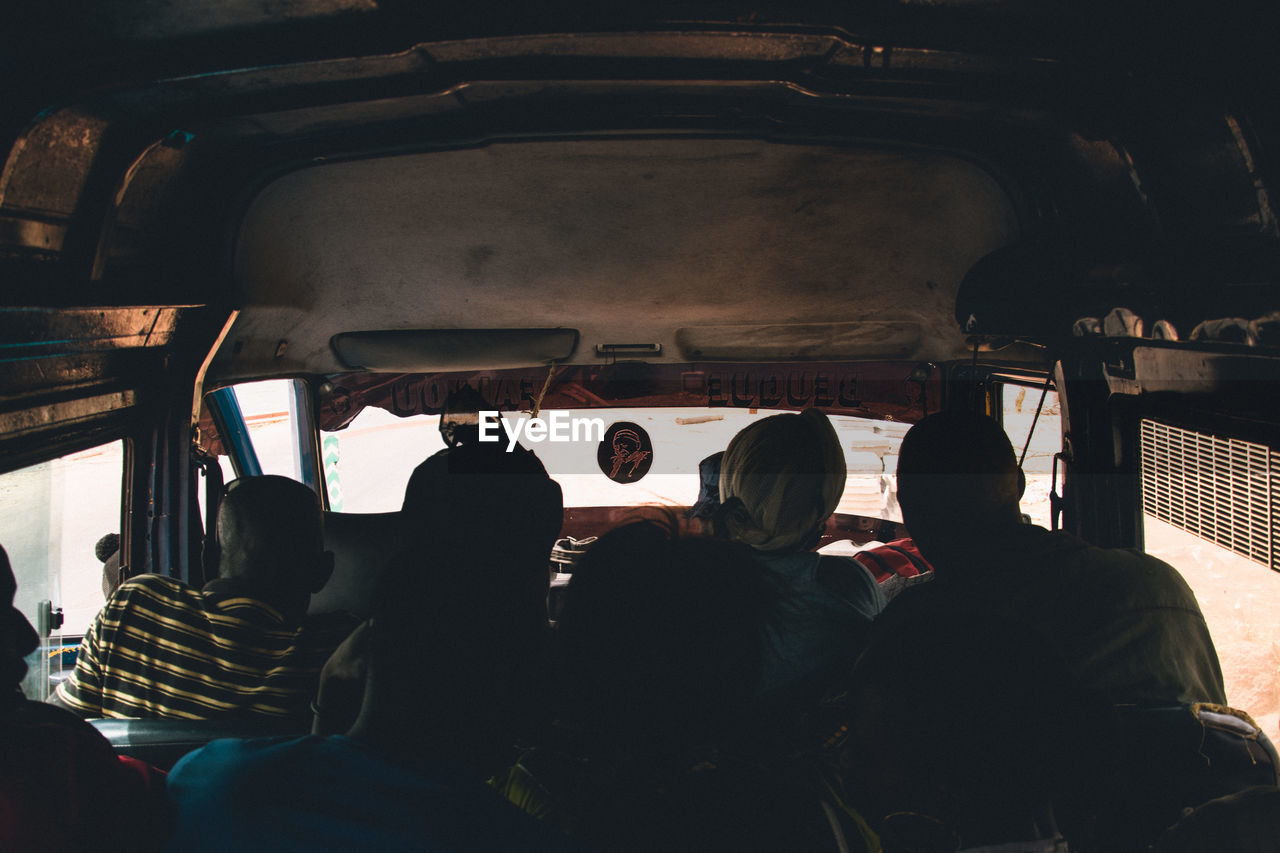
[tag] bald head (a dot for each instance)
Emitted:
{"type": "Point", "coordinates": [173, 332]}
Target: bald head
{"type": "Point", "coordinates": [270, 531]}
{"type": "Point", "coordinates": [492, 517]}
{"type": "Point", "coordinates": [957, 475]}
{"type": "Point", "coordinates": [460, 494]}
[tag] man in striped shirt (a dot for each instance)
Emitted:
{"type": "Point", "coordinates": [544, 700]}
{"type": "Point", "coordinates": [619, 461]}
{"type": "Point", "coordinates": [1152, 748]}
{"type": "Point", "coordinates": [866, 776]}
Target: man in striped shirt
{"type": "Point", "coordinates": [242, 645]}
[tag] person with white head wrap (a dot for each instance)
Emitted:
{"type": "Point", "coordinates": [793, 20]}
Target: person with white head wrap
{"type": "Point", "coordinates": [781, 479]}
{"type": "Point", "coordinates": [788, 474]}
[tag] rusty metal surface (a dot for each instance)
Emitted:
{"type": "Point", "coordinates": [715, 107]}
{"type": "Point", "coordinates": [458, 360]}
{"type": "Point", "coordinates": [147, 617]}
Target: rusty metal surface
{"type": "Point", "coordinates": [45, 174]}
{"type": "Point", "coordinates": [63, 414]}
{"type": "Point", "coordinates": [61, 369]}
{"type": "Point", "coordinates": [31, 235]}
{"type": "Point", "coordinates": [41, 332]}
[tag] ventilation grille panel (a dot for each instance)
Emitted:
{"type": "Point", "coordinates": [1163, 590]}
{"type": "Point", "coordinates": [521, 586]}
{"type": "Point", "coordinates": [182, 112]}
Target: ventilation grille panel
{"type": "Point", "coordinates": [1221, 489]}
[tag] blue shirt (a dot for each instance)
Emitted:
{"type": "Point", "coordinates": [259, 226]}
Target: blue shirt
{"type": "Point", "coordinates": [331, 793]}
{"type": "Point", "coordinates": [822, 616]}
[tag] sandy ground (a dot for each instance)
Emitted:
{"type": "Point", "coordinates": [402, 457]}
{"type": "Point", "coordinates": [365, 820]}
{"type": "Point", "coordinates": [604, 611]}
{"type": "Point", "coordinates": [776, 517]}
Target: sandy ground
{"type": "Point", "coordinates": [369, 464]}
{"type": "Point", "coordinates": [1240, 600]}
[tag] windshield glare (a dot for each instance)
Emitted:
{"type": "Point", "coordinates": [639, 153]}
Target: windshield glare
{"type": "Point", "coordinates": [377, 452]}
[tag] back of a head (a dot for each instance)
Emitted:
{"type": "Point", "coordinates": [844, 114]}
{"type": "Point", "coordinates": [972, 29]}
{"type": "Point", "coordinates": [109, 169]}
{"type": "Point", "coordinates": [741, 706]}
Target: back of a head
{"type": "Point", "coordinates": [460, 419]}
{"type": "Point", "coordinates": [660, 634]}
{"type": "Point", "coordinates": [462, 496]}
{"type": "Point", "coordinates": [957, 469]}
{"type": "Point", "coordinates": [270, 529]}
{"type": "Point", "coordinates": [106, 546]}
{"type": "Point", "coordinates": [486, 516]}
{"type": "Point", "coordinates": [781, 479]}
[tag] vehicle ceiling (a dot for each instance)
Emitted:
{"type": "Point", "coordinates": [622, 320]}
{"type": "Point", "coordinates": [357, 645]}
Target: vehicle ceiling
{"type": "Point", "coordinates": [823, 174]}
{"type": "Point", "coordinates": [710, 248]}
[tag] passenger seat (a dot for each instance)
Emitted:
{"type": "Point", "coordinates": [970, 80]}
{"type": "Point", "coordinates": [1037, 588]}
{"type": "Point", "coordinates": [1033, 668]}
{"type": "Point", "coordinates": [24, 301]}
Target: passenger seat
{"type": "Point", "coordinates": [363, 544]}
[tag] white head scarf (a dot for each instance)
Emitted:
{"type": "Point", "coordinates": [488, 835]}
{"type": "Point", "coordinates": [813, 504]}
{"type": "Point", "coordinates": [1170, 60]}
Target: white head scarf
{"type": "Point", "coordinates": [788, 473]}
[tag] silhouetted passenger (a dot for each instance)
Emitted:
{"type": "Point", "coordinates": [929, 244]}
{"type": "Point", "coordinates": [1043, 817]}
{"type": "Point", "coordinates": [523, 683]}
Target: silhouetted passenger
{"type": "Point", "coordinates": [239, 646]}
{"type": "Point", "coordinates": [660, 643]}
{"type": "Point", "coordinates": [781, 479]}
{"type": "Point", "coordinates": [487, 519]}
{"type": "Point", "coordinates": [495, 512]}
{"type": "Point", "coordinates": [63, 789]}
{"type": "Point", "coordinates": [1127, 624]}
{"type": "Point", "coordinates": [963, 734]}
{"type": "Point", "coordinates": [408, 773]}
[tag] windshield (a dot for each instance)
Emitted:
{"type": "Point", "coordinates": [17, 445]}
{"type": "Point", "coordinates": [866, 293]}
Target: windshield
{"type": "Point", "coordinates": [374, 456]}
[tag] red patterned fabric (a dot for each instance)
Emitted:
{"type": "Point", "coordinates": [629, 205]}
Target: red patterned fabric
{"type": "Point", "coordinates": [898, 557]}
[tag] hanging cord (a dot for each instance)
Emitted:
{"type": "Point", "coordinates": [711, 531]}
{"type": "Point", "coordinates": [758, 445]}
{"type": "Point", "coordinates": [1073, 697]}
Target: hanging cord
{"type": "Point", "coordinates": [537, 402]}
{"type": "Point", "coordinates": [1044, 392]}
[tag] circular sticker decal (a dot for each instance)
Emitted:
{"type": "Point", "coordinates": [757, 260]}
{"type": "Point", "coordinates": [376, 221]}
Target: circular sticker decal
{"type": "Point", "coordinates": [626, 453]}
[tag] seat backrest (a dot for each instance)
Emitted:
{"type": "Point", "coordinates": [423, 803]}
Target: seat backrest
{"type": "Point", "coordinates": [363, 544]}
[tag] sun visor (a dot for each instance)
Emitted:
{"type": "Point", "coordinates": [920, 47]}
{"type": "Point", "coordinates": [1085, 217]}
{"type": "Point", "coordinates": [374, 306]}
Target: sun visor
{"type": "Point", "coordinates": [801, 341]}
{"type": "Point", "coordinates": [429, 350]}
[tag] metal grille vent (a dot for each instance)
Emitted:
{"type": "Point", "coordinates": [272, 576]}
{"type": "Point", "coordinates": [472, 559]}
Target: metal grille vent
{"type": "Point", "coordinates": [1220, 489]}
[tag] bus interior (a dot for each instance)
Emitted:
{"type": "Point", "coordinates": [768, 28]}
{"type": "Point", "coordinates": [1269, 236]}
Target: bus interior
{"type": "Point", "coordinates": [237, 240]}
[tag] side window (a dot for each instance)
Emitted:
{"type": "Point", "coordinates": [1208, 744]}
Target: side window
{"type": "Point", "coordinates": [266, 425]}
{"type": "Point", "coordinates": [367, 464]}
{"type": "Point", "coordinates": [270, 412]}
{"type": "Point", "coordinates": [52, 518]}
{"type": "Point", "coordinates": [1019, 405]}
{"type": "Point", "coordinates": [1209, 510]}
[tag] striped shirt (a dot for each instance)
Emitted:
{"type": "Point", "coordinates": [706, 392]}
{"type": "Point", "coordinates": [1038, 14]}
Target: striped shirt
{"type": "Point", "coordinates": [161, 648]}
